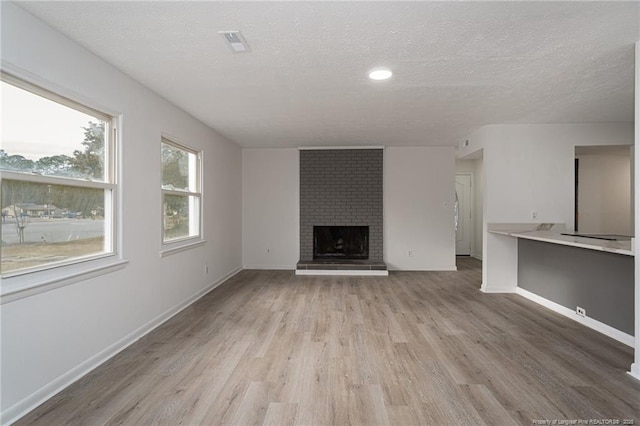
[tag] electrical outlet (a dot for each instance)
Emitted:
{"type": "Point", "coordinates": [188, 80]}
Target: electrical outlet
{"type": "Point", "coordinates": [410, 253]}
{"type": "Point", "coordinates": [268, 251]}
{"type": "Point", "coordinates": [534, 215]}
{"type": "Point", "coordinates": [206, 269]}
{"type": "Point", "coordinates": [581, 311]}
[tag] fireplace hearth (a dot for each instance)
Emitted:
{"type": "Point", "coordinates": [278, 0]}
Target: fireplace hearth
{"type": "Point", "coordinates": [340, 242]}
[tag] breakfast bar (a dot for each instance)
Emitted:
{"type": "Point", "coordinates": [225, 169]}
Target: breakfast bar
{"type": "Point", "coordinates": [565, 271]}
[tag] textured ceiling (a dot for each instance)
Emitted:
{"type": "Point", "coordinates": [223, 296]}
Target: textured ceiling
{"type": "Point", "coordinates": [457, 65]}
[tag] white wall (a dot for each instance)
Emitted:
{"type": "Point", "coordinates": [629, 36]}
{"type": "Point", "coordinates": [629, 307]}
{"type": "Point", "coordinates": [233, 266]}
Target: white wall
{"type": "Point", "coordinates": [50, 339]}
{"type": "Point", "coordinates": [604, 200]}
{"type": "Point", "coordinates": [530, 167]}
{"type": "Point", "coordinates": [635, 367]}
{"type": "Point", "coordinates": [476, 250]}
{"type": "Point", "coordinates": [271, 208]}
{"type": "Point", "coordinates": [465, 166]}
{"type": "Point", "coordinates": [417, 183]}
{"type": "Point", "coordinates": [418, 208]}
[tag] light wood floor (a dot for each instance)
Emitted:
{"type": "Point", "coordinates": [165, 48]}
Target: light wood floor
{"type": "Point", "coordinates": [413, 348]}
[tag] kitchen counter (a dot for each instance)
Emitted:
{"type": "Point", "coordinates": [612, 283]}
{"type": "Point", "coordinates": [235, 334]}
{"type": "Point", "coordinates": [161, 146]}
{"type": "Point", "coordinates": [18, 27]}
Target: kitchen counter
{"type": "Point", "coordinates": [564, 272]}
{"type": "Point", "coordinates": [552, 233]}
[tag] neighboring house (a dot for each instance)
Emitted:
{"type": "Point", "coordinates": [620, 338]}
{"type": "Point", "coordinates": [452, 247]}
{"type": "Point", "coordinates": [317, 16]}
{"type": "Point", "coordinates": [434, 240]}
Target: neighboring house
{"type": "Point", "coordinates": [33, 210]}
{"type": "Point", "coordinates": [41, 210]}
{"type": "Point", "coordinates": [9, 212]}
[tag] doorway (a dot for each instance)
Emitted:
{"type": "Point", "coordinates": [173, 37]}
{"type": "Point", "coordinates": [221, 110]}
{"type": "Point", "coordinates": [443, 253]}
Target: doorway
{"type": "Point", "coordinates": [462, 210]}
{"type": "Point", "coordinates": [603, 191]}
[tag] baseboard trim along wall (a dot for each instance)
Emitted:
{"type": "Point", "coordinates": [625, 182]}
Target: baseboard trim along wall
{"type": "Point", "coordinates": [635, 371]}
{"type": "Point", "coordinates": [346, 272]}
{"type": "Point", "coordinates": [586, 321]}
{"type": "Point", "coordinates": [433, 269]}
{"type": "Point", "coordinates": [271, 267]}
{"type": "Point", "coordinates": [497, 290]}
{"type": "Point", "coordinates": [21, 408]}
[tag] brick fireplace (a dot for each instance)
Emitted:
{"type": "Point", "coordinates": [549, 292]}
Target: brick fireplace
{"type": "Point", "coordinates": [341, 188]}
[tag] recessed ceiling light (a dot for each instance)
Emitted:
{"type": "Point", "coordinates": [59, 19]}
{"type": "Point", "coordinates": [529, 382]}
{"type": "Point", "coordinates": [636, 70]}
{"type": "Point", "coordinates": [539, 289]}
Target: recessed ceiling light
{"type": "Point", "coordinates": [380, 74]}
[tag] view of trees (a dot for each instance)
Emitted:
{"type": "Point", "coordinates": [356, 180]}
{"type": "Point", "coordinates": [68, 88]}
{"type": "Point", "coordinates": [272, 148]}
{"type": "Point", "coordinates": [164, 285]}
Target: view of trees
{"type": "Point", "coordinates": [175, 167]}
{"type": "Point", "coordinates": [18, 197]}
{"type": "Point", "coordinates": [89, 162]}
{"type": "Point", "coordinates": [22, 200]}
{"type": "Point", "coordinates": [86, 164]}
{"type": "Point", "coordinates": [175, 176]}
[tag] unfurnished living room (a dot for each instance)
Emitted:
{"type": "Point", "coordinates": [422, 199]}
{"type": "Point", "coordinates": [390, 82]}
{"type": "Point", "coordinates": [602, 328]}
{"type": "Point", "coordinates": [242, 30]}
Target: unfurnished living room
{"type": "Point", "coordinates": [319, 213]}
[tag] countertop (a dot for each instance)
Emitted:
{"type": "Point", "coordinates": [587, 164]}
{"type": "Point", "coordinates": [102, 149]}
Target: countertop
{"type": "Point", "coordinates": [551, 233]}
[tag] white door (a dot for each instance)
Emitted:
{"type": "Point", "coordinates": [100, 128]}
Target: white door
{"type": "Point", "coordinates": [463, 215]}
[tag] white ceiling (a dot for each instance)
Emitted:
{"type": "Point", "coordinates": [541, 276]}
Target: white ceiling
{"type": "Point", "coordinates": [457, 65]}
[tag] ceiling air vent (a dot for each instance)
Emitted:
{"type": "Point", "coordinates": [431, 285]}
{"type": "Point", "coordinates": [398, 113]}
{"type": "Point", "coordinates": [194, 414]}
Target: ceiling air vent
{"type": "Point", "coordinates": [235, 41]}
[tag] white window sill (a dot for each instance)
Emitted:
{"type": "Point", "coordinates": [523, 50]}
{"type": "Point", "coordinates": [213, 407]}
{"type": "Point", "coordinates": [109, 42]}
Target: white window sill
{"type": "Point", "coordinates": [170, 249]}
{"type": "Point", "coordinates": [30, 284]}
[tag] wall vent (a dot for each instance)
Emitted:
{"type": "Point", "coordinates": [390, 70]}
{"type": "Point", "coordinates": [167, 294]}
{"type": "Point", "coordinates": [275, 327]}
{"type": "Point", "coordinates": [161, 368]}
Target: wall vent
{"type": "Point", "coordinates": [235, 41]}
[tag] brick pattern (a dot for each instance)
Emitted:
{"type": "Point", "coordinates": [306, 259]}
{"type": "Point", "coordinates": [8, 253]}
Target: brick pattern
{"type": "Point", "coordinates": [341, 188]}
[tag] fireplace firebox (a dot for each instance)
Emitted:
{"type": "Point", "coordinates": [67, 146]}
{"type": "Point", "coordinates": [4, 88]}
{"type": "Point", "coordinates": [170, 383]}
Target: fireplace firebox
{"type": "Point", "coordinates": [340, 242]}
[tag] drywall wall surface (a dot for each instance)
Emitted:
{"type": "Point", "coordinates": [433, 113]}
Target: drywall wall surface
{"type": "Point", "coordinates": [635, 367]}
{"type": "Point", "coordinates": [270, 213]}
{"type": "Point", "coordinates": [476, 249]}
{"type": "Point", "coordinates": [53, 338]}
{"type": "Point", "coordinates": [416, 183]}
{"type": "Point", "coordinates": [529, 169]}
{"type": "Point", "coordinates": [632, 190]}
{"type": "Point", "coordinates": [600, 282]}
{"type": "Point", "coordinates": [604, 201]}
{"type": "Point", "coordinates": [419, 208]}
{"type": "Point", "coordinates": [465, 166]}
{"type": "Point", "coordinates": [525, 176]}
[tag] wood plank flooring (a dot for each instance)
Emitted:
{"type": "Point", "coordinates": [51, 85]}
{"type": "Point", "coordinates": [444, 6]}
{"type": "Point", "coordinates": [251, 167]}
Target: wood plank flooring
{"type": "Point", "coordinates": [414, 348]}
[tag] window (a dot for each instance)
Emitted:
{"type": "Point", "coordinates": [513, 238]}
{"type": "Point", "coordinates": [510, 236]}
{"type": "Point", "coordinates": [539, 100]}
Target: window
{"type": "Point", "coordinates": [181, 192]}
{"type": "Point", "coordinates": [57, 180]}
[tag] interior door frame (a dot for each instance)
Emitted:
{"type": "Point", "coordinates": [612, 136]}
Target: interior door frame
{"type": "Point", "coordinates": [472, 202]}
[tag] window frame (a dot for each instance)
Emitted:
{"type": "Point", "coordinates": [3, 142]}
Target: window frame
{"type": "Point", "coordinates": [178, 244]}
{"type": "Point", "coordinates": [33, 280]}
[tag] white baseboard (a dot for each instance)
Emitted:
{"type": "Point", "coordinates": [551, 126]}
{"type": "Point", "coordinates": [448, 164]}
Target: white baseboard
{"type": "Point", "coordinates": [601, 327]}
{"type": "Point", "coordinates": [498, 290]}
{"type": "Point", "coordinates": [21, 408]}
{"type": "Point", "coordinates": [451, 268]}
{"type": "Point", "coordinates": [477, 256]}
{"type": "Point", "coordinates": [635, 371]}
{"type": "Point", "coordinates": [271, 267]}
{"type": "Point", "coordinates": [351, 272]}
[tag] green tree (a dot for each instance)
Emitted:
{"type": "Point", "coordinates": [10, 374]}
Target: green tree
{"type": "Point", "coordinates": [89, 163]}
{"type": "Point", "coordinates": [15, 162]}
{"type": "Point", "coordinates": [175, 175]}
{"type": "Point", "coordinates": [56, 165]}
{"type": "Point", "coordinates": [17, 196]}
{"type": "Point", "coordinates": [175, 167]}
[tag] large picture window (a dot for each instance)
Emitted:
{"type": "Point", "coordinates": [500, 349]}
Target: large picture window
{"type": "Point", "coordinates": [181, 192]}
{"type": "Point", "coordinates": [57, 180]}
